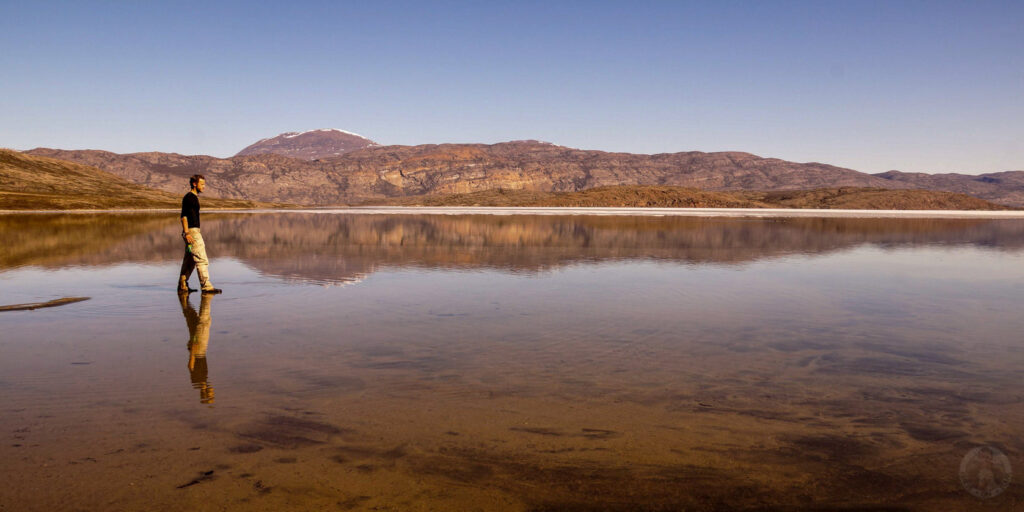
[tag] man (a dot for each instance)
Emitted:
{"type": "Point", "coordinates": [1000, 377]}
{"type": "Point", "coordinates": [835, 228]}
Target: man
{"type": "Point", "coordinates": [195, 250]}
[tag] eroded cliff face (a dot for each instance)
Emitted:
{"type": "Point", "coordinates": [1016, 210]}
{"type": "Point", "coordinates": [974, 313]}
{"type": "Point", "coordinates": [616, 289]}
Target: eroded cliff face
{"type": "Point", "coordinates": [396, 171]}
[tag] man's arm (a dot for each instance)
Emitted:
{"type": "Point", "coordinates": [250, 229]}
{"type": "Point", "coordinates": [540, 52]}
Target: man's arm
{"type": "Point", "coordinates": [184, 229]}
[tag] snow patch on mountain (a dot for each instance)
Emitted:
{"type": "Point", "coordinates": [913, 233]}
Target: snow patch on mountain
{"type": "Point", "coordinates": [290, 135]}
{"type": "Point", "coordinates": [310, 144]}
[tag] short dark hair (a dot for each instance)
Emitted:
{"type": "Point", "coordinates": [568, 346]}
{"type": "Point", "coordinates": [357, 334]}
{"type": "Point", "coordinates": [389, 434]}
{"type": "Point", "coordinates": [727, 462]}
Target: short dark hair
{"type": "Point", "coordinates": [195, 179]}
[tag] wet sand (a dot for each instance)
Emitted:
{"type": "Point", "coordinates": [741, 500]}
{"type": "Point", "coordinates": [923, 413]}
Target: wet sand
{"type": "Point", "coordinates": [847, 373]}
{"type": "Point", "coordinates": [63, 301]}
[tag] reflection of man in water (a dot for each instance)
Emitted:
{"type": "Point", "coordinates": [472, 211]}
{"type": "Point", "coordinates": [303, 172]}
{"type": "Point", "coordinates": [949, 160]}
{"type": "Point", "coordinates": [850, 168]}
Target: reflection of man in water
{"type": "Point", "coordinates": [198, 339]}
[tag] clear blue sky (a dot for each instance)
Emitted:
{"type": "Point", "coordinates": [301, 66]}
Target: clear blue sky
{"type": "Point", "coordinates": [916, 86]}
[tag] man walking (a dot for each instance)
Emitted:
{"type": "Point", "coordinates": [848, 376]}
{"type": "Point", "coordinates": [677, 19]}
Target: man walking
{"type": "Point", "coordinates": [195, 249]}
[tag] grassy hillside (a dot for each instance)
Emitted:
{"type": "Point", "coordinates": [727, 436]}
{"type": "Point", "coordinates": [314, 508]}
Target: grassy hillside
{"type": "Point", "coordinates": [38, 183]}
{"type": "Point", "coordinates": [682, 197]}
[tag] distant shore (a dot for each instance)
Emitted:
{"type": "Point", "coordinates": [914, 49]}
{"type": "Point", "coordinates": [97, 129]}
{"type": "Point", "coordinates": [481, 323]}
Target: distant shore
{"type": "Point", "coordinates": [599, 211]}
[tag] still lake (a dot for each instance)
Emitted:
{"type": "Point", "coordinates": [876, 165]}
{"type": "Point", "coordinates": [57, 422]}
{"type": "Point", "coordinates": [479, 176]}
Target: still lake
{"type": "Point", "coordinates": [480, 362]}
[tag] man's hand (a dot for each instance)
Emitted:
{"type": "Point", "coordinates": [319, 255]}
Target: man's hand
{"type": "Point", "coordinates": [188, 238]}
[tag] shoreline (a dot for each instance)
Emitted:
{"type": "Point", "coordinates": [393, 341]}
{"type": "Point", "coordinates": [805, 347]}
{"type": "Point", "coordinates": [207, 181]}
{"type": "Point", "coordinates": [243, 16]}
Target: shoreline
{"type": "Point", "coordinates": [596, 211]}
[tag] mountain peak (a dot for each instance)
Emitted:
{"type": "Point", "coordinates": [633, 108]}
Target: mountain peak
{"type": "Point", "coordinates": [310, 144]}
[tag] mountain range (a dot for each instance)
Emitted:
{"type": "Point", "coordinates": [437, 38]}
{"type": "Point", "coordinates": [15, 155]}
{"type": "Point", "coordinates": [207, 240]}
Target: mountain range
{"type": "Point", "coordinates": [331, 167]}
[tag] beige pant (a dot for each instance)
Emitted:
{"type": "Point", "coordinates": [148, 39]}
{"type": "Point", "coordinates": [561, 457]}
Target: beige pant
{"type": "Point", "coordinates": [195, 260]}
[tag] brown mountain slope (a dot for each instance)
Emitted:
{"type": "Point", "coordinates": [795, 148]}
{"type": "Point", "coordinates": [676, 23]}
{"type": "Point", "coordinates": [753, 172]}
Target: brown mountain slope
{"type": "Point", "coordinates": [395, 171]}
{"type": "Point", "coordinates": [32, 182]}
{"type": "Point", "coordinates": [309, 145]}
{"type": "Point", "coordinates": [1000, 187]}
{"type": "Point", "coordinates": [682, 197]}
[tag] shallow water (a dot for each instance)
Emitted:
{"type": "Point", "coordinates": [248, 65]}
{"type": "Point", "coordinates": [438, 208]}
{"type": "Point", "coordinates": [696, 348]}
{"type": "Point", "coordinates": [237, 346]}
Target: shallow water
{"type": "Point", "coordinates": [510, 363]}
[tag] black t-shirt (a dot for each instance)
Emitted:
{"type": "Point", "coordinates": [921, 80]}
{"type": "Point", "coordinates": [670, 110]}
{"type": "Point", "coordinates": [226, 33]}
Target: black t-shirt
{"type": "Point", "coordinates": [190, 209]}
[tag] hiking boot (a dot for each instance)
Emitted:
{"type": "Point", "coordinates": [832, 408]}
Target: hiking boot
{"type": "Point", "coordinates": [212, 290]}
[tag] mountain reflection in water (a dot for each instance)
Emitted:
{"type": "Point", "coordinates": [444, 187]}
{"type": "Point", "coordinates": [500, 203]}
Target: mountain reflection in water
{"type": "Point", "coordinates": [337, 248]}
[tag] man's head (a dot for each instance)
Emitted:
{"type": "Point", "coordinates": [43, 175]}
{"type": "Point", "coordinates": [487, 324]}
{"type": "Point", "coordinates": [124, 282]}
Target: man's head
{"type": "Point", "coordinates": [197, 182]}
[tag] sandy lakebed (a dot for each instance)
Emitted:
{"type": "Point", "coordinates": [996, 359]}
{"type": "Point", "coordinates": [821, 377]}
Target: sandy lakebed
{"type": "Point", "coordinates": [473, 359]}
